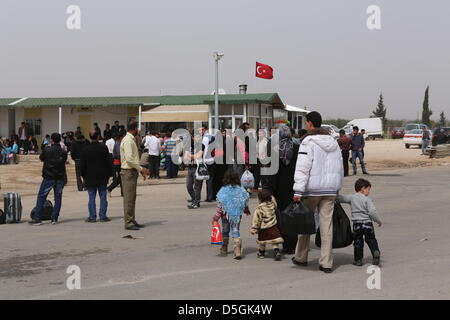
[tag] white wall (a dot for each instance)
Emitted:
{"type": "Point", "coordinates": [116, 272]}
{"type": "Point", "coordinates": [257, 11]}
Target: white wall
{"type": "Point", "coordinates": [70, 118]}
{"type": "Point", "coordinates": [4, 123]}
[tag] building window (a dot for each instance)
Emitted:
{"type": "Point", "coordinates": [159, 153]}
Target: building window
{"type": "Point", "coordinates": [225, 110]}
{"type": "Point", "coordinates": [35, 125]}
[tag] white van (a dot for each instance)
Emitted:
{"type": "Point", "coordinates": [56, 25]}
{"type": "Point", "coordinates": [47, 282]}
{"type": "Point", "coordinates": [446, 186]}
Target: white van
{"type": "Point", "coordinates": [373, 127]}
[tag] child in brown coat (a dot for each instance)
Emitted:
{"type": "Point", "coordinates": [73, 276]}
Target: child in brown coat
{"type": "Point", "coordinates": [264, 224]}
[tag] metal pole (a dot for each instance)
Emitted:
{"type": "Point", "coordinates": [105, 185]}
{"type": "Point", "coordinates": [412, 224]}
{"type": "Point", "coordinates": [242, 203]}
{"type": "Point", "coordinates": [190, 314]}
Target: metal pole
{"type": "Point", "coordinates": [216, 93]}
{"type": "Point", "coordinates": [139, 117]}
{"type": "Point", "coordinates": [60, 120]}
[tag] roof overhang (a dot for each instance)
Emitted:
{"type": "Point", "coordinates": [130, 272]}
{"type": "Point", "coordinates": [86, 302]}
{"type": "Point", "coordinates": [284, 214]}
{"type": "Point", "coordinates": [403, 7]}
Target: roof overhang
{"type": "Point", "coordinates": [295, 109]}
{"type": "Point", "coordinates": [176, 113]}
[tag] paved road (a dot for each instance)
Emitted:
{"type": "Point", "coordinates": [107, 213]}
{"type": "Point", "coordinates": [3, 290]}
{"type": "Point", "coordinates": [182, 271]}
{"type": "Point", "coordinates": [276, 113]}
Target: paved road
{"type": "Point", "coordinates": [172, 258]}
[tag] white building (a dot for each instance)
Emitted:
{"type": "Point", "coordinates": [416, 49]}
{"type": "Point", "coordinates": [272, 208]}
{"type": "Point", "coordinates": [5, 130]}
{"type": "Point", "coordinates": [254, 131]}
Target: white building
{"type": "Point", "coordinates": [161, 113]}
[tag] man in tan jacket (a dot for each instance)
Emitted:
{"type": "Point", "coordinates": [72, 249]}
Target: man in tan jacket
{"type": "Point", "coordinates": [130, 169]}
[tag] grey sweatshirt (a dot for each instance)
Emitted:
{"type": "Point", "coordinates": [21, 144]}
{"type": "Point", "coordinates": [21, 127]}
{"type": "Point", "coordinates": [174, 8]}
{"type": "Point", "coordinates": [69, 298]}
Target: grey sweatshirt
{"type": "Point", "coordinates": [363, 209]}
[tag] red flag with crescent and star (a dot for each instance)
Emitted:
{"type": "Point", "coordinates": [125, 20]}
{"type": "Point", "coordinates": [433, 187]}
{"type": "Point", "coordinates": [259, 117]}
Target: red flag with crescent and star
{"type": "Point", "coordinates": [264, 71]}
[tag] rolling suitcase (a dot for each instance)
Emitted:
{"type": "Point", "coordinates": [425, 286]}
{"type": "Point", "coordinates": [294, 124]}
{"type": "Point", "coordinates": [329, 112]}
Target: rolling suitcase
{"type": "Point", "coordinates": [12, 207]}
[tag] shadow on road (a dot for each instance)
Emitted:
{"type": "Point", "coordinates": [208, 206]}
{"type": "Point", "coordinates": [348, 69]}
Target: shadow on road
{"type": "Point", "coordinates": [385, 175]}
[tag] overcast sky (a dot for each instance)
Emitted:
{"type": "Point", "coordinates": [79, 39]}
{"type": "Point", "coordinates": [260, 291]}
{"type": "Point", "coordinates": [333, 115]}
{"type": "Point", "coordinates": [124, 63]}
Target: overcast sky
{"type": "Point", "coordinates": [322, 52]}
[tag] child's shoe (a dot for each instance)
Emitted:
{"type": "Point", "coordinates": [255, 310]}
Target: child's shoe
{"type": "Point", "coordinates": [277, 254]}
{"type": "Point", "coordinates": [357, 263]}
{"type": "Point", "coordinates": [376, 258]}
{"type": "Point", "coordinates": [237, 248]}
{"type": "Point", "coordinates": [224, 247]}
{"type": "Point", "coordinates": [261, 254]}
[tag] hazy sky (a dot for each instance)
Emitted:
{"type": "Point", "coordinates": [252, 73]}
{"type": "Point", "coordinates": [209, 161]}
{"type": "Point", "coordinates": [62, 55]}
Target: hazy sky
{"type": "Point", "coordinates": [322, 53]}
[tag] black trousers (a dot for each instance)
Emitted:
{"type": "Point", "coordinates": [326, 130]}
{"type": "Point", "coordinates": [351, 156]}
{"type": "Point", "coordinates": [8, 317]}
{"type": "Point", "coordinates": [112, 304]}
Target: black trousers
{"type": "Point", "coordinates": [361, 232]}
{"type": "Point", "coordinates": [80, 184]}
{"type": "Point", "coordinates": [256, 171]}
{"type": "Point", "coordinates": [154, 166]}
{"type": "Point", "coordinates": [345, 157]}
{"type": "Point", "coordinates": [117, 180]}
{"type": "Point", "coordinates": [210, 196]}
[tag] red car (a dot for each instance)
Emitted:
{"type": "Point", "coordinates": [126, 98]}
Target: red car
{"type": "Point", "coordinates": [398, 132]}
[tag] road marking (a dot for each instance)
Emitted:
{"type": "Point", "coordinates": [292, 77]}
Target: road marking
{"type": "Point", "coordinates": [141, 279]}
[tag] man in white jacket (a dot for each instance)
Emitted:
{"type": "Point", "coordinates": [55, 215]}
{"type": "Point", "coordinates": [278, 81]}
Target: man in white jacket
{"type": "Point", "coordinates": [318, 178]}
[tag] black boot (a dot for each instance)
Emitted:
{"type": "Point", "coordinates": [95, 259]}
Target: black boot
{"type": "Point", "coordinates": [376, 258]}
{"type": "Point", "coordinates": [277, 254]}
{"type": "Point", "coordinates": [261, 254]}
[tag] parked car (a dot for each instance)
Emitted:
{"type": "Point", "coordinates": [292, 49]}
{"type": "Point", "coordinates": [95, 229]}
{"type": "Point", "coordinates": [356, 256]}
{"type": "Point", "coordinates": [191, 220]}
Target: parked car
{"type": "Point", "coordinates": [415, 126]}
{"type": "Point", "coordinates": [438, 138]}
{"type": "Point", "coordinates": [414, 137]}
{"type": "Point", "coordinates": [333, 130]}
{"type": "Point", "coordinates": [398, 132]}
{"type": "Point", "coordinates": [373, 127]}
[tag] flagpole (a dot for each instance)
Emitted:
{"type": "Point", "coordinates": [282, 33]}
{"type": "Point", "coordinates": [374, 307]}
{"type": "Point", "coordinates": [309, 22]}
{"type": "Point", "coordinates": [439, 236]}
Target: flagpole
{"type": "Point", "coordinates": [217, 57]}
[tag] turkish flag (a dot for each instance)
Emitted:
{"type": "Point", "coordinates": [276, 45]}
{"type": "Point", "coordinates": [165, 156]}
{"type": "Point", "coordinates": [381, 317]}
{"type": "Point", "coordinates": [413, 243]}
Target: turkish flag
{"type": "Point", "coordinates": [264, 71]}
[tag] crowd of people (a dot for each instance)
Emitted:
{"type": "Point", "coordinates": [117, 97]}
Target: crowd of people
{"type": "Point", "coordinates": [311, 170]}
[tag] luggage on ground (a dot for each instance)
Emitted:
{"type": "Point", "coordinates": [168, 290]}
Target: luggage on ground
{"type": "Point", "coordinates": [46, 213]}
{"type": "Point", "coordinates": [297, 219]}
{"type": "Point", "coordinates": [12, 207]}
{"type": "Point", "coordinates": [2, 217]}
{"type": "Point", "coordinates": [342, 230]}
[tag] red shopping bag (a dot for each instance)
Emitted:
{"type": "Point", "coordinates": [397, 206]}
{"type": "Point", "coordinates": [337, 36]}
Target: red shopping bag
{"type": "Point", "coordinates": [216, 234]}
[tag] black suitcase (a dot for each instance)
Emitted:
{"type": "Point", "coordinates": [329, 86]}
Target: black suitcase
{"type": "Point", "coordinates": [46, 213]}
{"type": "Point", "coordinates": [2, 217]}
{"type": "Point", "coordinates": [12, 207]}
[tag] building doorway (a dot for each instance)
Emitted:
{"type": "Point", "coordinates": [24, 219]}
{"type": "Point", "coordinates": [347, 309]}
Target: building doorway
{"type": "Point", "coordinates": [84, 121]}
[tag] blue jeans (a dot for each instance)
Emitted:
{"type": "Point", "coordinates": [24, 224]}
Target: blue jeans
{"type": "Point", "coordinates": [360, 156]}
{"type": "Point", "coordinates": [172, 168]}
{"type": "Point", "coordinates": [103, 202]}
{"type": "Point", "coordinates": [232, 224]}
{"type": "Point", "coordinates": [424, 145]}
{"type": "Point", "coordinates": [46, 186]}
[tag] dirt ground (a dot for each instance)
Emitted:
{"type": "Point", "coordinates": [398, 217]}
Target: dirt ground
{"type": "Point", "coordinates": [25, 177]}
{"type": "Point", "coordinates": [392, 154]}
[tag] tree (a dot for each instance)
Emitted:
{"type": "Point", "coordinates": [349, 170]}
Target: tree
{"type": "Point", "coordinates": [426, 111]}
{"type": "Point", "coordinates": [380, 111]}
{"type": "Point", "coordinates": [442, 120]}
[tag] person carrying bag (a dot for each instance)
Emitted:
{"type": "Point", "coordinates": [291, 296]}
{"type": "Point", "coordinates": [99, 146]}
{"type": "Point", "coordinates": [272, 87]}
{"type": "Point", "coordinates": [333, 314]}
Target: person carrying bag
{"type": "Point", "coordinates": [318, 178]}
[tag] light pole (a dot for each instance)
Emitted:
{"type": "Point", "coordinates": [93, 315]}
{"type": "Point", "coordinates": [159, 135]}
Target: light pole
{"type": "Point", "coordinates": [217, 57]}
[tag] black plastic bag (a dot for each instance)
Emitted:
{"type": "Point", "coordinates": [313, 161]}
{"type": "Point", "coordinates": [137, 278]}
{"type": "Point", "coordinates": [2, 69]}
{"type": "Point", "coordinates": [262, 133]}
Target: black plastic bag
{"type": "Point", "coordinates": [297, 219]}
{"type": "Point", "coordinates": [46, 213]}
{"type": "Point", "coordinates": [342, 230]}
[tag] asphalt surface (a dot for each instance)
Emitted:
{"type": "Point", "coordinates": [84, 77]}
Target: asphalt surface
{"type": "Point", "coordinates": [171, 257]}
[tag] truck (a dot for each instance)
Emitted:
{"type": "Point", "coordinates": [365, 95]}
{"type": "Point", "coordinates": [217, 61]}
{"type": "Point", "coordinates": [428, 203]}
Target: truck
{"type": "Point", "coordinates": [373, 127]}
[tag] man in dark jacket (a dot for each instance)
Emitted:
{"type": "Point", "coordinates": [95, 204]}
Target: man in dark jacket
{"type": "Point", "coordinates": [345, 143]}
{"type": "Point", "coordinates": [96, 169]}
{"type": "Point", "coordinates": [54, 174]}
{"type": "Point", "coordinates": [358, 144]}
{"type": "Point", "coordinates": [78, 146]}
{"type": "Point", "coordinates": [107, 133]}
